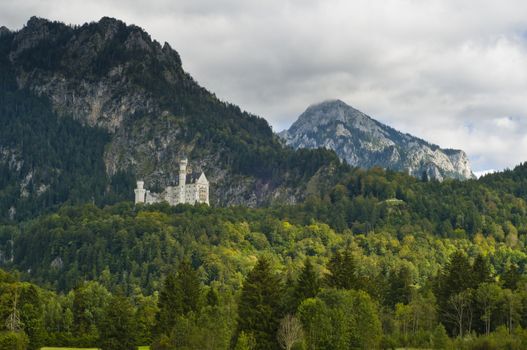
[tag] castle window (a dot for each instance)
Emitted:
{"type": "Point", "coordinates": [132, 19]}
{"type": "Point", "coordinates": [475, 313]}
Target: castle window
{"type": "Point", "coordinates": [202, 194]}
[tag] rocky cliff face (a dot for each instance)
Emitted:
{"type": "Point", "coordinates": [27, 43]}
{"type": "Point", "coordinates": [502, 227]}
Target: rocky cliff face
{"type": "Point", "coordinates": [113, 77]}
{"type": "Point", "coordinates": [364, 142]}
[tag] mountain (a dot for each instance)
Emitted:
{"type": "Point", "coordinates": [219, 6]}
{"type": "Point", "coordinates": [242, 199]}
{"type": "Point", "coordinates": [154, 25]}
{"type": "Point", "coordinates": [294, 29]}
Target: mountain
{"type": "Point", "coordinates": [86, 110]}
{"type": "Point", "coordinates": [365, 142]}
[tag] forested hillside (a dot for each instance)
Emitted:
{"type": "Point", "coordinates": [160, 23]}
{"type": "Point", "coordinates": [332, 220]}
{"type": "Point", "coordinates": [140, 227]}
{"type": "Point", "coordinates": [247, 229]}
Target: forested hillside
{"type": "Point", "coordinates": [87, 110]}
{"type": "Point", "coordinates": [384, 260]}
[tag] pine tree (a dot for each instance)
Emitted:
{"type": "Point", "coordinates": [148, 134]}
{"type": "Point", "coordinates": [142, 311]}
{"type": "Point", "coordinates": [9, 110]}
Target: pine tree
{"type": "Point", "coordinates": [343, 272]}
{"type": "Point", "coordinates": [452, 290]}
{"type": "Point", "coordinates": [189, 287]}
{"type": "Point", "coordinates": [259, 311]}
{"type": "Point", "coordinates": [119, 327]}
{"type": "Point", "coordinates": [439, 337]}
{"type": "Point", "coordinates": [481, 271]}
{"type": "Point", "coordinates": [308, 283]}
{"type": "Point", "coordinates": [212, 297]}
{"type": "Point", "coordinates": [511, 277]}
{"type": "Point", "coordinates": [399, 287]}
{"type": "Point", "coordinates": [181, 294]}
{"type": "Point", "coordinates": [169, 305]}
{"type": "Point", "coordinates": [456, 276]}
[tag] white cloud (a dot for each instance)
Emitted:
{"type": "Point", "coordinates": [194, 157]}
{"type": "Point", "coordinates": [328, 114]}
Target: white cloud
{"type": "Point", "coordinates": [452, 72]}
{"type": "Point", "coordinates": [505, 123]}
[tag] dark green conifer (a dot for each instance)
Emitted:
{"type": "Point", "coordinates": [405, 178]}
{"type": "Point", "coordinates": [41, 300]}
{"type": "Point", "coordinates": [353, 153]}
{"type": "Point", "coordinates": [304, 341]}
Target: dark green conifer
{"type": "Point", "coordinates": [189, 287]}
{"type": "Point", "coordinates": [169, 305]}
{"type": "Point", "coordinates": [342, 271]}
{"type": "Point", "coordinates": [481, 271]}
{"type": "Point", "coordinates": [180, 295]}
{"type": "Point", "coordinates": [259, 311]}
{"type": "Point", "coordinates": [212, 297]}
{"type": "Point", "coordinates": [119, 327]}
{"type": "Point", "coordinates": [511, 277]}
{"type": "Point", "coordinates": [399, 287]}
{"type": "Point", "coordinates": [308, 283]}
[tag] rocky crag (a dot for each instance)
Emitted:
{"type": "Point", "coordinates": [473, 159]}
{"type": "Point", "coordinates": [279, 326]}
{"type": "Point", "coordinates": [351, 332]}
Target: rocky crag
{"type": "Point", "coordinates": [364, 142]}
{"type": "Point", "coordinates": [113, 79]}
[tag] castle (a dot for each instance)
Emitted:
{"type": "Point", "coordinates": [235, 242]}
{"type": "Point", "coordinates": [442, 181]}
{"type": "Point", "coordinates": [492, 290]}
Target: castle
{"type": "Point", "coordinates": [190, 188]}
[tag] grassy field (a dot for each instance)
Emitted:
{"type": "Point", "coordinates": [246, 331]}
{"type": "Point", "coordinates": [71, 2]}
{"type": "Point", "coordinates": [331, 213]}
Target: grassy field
{"type": "Point", "coordinates": [69, 349]}
{"type": "Point", "coordinates": [48, 348]}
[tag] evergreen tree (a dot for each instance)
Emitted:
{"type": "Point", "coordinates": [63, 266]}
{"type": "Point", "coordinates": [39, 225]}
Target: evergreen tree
{"type": "Point", "coordinates": [259, 311]}
{"type": "Point", "coordinates": [169, 305]}
{"type": "Point", "coordinates": [341, 319]}
{"type": "Point", "coordinates": [511, 277]}
{"type": "Point", "coordinates": [308, 283]}
{"type": "Point", "coordinates": [212, 297]}
{"type": "Point", "coordinates": [440, 338]}
{"type": "Point", "coordinates": [343, 272]}
{"type": "Point", "coordinates": [481, 271]}
{"type": "Point", "coordinates": [455, 278]}
{"type": "Point", "coordinates": [452, 290]}
{"type": "Point", "coordinates": [399, 287]}
{"type": "Point", "coordinates": [118, 331]}
{"type": "Point", "coordinates": [181, 294]}
{"type": "Point", "coordinates": [245, 342]}
{"type": "Point", "coordinates": [189, 288]}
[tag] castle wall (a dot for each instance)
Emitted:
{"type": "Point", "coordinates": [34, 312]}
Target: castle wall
{"type": "Point", "coordinates": [191, 193]}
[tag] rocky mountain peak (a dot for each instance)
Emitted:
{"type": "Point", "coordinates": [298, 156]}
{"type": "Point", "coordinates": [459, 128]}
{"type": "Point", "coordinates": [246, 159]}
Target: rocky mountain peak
{"type": "Point", "coordinates": [331, 110]}
{"type": "Point", "coordinates": [365, 142]}
{"type": "Point", "coordinates": [36, 23]}
{"type": "Point", "coordinates": [85, 69]}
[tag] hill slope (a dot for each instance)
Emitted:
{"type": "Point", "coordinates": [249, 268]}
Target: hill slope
{"type": "Point", "coordinates": [365, 142]}
{"type": "Point", "coordinates": [112, 80]}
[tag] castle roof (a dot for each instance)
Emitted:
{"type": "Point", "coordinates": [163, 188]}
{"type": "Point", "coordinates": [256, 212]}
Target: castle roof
{"type": "Point", "coordinates": [191, 178]}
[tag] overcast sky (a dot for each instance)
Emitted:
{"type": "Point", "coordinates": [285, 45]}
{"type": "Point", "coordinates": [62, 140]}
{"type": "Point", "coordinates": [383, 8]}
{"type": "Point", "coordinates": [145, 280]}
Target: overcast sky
{"type": "Point", "coordinates": [452, 72]}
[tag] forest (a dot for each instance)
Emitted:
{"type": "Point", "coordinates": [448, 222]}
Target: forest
{"type": "Point", "coordinates": [382, 261]}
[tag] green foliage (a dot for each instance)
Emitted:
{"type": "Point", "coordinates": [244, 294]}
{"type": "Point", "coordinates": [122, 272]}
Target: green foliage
{"type": "Point", "coordinates": [399, 286]}
{"type": "Point", "coordinates": [181, 294]}
{"type": "Point", "coordinates": [259, 311]}
{"type": "Point", "coordinates": [210, 329]}
{"type": "Point", "coordinates": [119, 327]}
{"type": "Point", "coordinates": [169, 305]}
{"type": "Point", "coordinates": [189, 288]}
{"type": "Point", "coordinates": [13, 341]}
{"type": "Point", "coordinates": [89, 304]}
{"type": "Point", "coordinates": [341, 319]}
{"type": "Point", "coordinates": [343, 273]}
{"type": "Point", "coordinates": [245, 342]}
{"type": "Point", "coordinates": [418, 283]}
{"type": "Point", "coordinates": [61, 160]}
{"type": "Point", "coordinates": [307, 284]}
{"type": "Point", "coordinates": [440, 338]}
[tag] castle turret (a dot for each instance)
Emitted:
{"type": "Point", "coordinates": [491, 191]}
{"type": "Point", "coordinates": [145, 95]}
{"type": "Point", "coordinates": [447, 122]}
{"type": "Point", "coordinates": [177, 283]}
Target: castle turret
{"type": "Point", "coordinates": [140, 192]}
{"type": "Point", "coordinates": [182, 179]}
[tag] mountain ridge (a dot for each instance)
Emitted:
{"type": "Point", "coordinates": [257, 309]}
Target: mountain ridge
{"type": "Point", "coordinates": [365, 142]}
{"type": "Point", "coordinates": [114, 78]}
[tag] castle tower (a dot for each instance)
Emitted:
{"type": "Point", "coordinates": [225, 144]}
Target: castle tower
{"type": "Point", "coordinates": [140, 192]}
{"type": "Point", "coordinates": [182, 179]}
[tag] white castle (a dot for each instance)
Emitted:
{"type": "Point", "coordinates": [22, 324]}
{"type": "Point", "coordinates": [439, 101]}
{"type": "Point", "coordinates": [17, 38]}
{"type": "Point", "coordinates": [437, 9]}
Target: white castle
{"type": "Point", "coordinates": [190, 188]}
